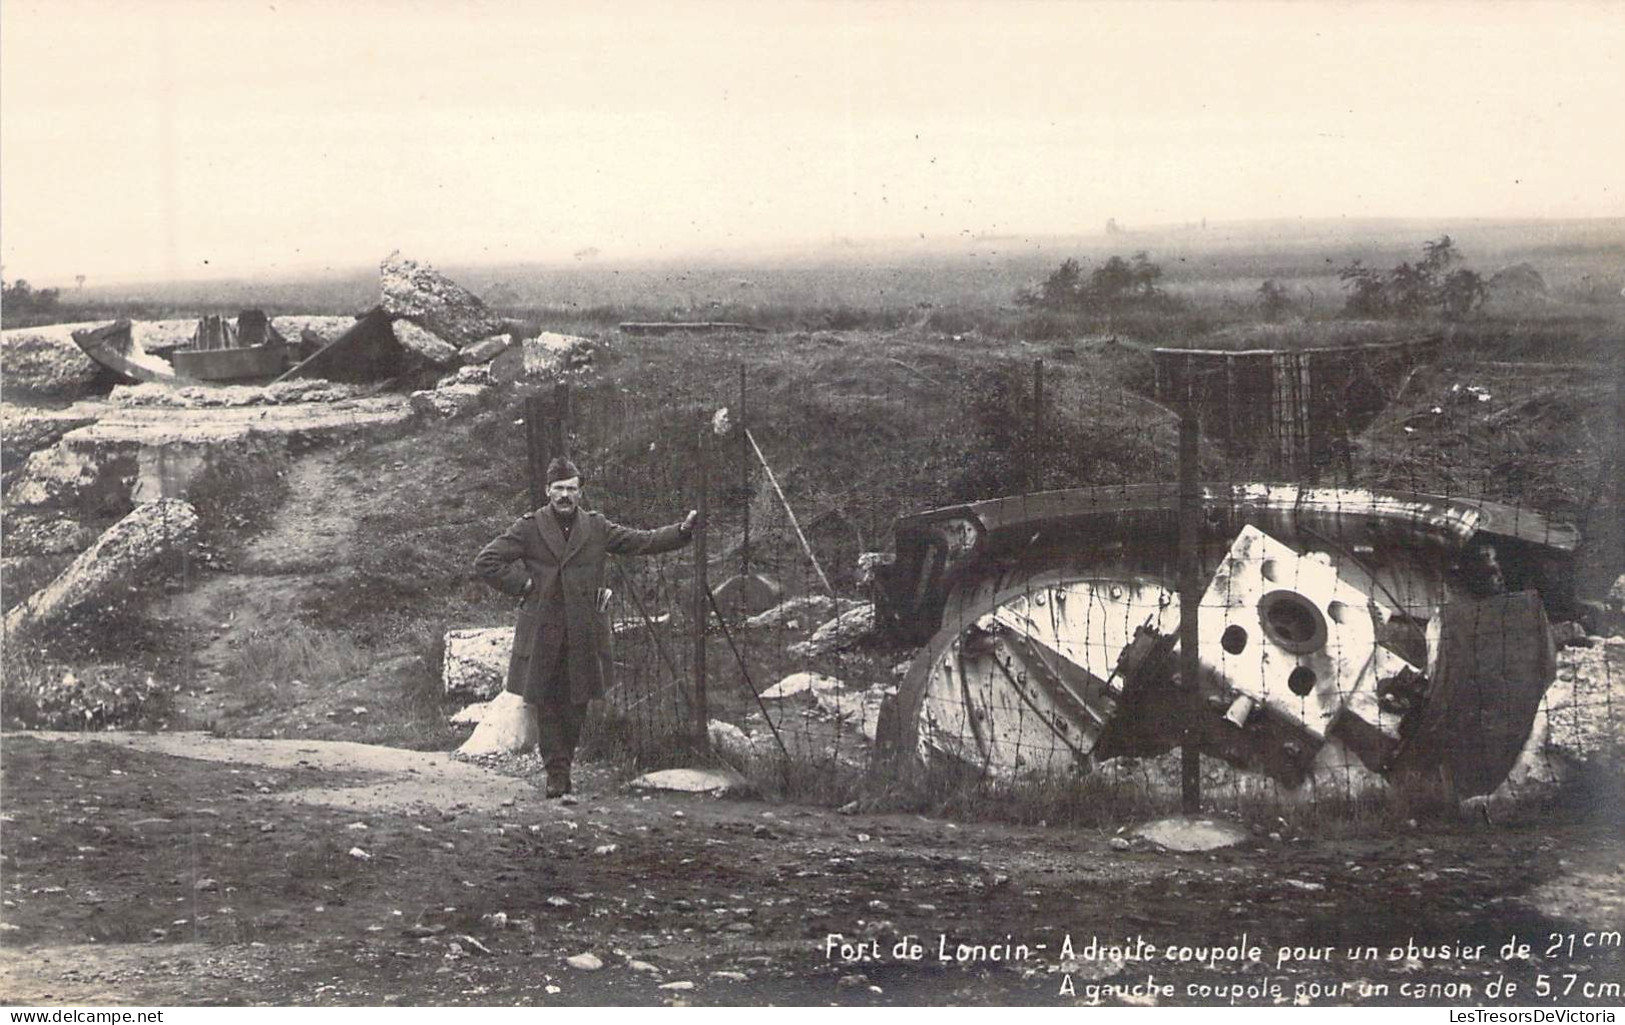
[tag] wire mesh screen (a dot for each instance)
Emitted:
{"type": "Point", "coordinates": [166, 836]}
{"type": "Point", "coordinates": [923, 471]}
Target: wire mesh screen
{"type": "Point", "coordinates": [1014, 609]}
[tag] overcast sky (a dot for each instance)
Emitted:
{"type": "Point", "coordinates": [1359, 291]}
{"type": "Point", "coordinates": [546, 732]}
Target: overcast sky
{"type": "Point", "coordinates": [168, 139]}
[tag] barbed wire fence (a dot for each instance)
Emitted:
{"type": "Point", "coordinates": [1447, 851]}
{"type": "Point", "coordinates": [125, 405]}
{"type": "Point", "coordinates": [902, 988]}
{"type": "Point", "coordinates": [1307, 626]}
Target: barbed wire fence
{"type": "Point", "coordinates": [1285, 601]}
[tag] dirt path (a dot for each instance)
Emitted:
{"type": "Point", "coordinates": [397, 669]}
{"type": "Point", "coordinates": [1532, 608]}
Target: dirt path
{"type": "Point", "coordinates": [378, 778]}
{"type": "Point", "coordinates": [224, 611]}
{"type": "Point", "coordinates": [162, 868]}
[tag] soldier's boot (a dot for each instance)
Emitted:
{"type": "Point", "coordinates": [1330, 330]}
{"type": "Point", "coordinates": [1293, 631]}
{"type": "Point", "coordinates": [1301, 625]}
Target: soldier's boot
{"type": "Point", "coordinates": [558, 781]}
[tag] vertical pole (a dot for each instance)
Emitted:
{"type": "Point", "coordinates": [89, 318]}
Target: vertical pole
{"type": "Point", "coordinates": [701, 588]}
{"type": "Point", "coordinates": [744, 475]}
{"type": "Point", "coordinates": [1038, 424]}
{"type": "Point", "coordinates": [1190, 597]}
{"type": "Point", "coordinates": [558, 438]}
{"type": "Point", "coordinates": [536, 415]}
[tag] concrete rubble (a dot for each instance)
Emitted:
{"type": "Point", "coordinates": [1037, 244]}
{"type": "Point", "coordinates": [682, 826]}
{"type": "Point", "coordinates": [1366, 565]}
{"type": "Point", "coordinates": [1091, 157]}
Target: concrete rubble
{"type": "Point", "coordinates": [476, 660]}
{"type": "Point", "coordinates": [455, 394]}
{"type": "Point", "coordinates": [199, 396]}
{"type": "Point", "coordinates": [544, 357]}
{"type": "Point", "coordinates": [730, 741]}
{"type": "Point", "coordinates": [1187, 835]}
{"type": "Point", "coordinates": [506, 726]}
{"type": "Point", "coordinates": [792, 611]}
{"type": "Point", "coordinates": [45, 362]}
{"type": "Point", "coordinates": [843, 631]}
{"type": "Point", "coordinates": [811, 684]}
{"type": "Point", "coordinates": [133, 549]}
{"type": "Point", "coordinates": [689, 781]}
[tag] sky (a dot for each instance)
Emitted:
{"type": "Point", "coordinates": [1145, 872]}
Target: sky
{"type": "Point", "coordinates": [183, 139]}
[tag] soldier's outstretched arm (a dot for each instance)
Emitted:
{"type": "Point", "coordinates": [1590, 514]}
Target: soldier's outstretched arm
{"type": "Point", "coordinates": [501, 564]}
{"type": "Point", "coordinates": [629, 541]}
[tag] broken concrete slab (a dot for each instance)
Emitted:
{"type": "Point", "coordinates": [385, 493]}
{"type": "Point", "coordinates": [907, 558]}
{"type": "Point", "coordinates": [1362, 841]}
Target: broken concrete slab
{"type": "Point", "coordinates": [434, 350]}
{"type": "Point", "coordinates": [843, 631]}
{"type": "Point", "coordinates": [476, 660]}
{"type": "Point", "coordinates": [435, 301]}
{"type": "Point", "coordinates": [1183, 834]}
{"type": "Point", "coordinates": [45, 362]}
{"type": "Point", "coordinates": [131, 453]}
{"type": "Point", "coordinates": [226, 395]}
{"type": "Point", "coordinates": [689, 781]}
{"type": "Point", "coordinates": [133, 549]}
{"type": "Point", "coordinates": [507, 726]}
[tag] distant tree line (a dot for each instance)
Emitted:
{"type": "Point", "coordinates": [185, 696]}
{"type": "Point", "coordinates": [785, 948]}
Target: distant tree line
{"type": "Point", "coordinates": [1117, 284]}
{"type": "Point", "coordinates": [19, 298]}
{"type": "Point", "coordinates": [1434, 283]}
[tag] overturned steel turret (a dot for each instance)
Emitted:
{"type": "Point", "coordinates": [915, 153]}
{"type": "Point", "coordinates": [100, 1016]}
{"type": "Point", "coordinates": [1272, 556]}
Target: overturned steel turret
{"type": "Point", "coordinates": [1408, 632]}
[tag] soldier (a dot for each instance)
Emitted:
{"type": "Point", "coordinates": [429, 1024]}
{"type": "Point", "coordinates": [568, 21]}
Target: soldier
{"type": "Point", "coordinates": [554, 558]}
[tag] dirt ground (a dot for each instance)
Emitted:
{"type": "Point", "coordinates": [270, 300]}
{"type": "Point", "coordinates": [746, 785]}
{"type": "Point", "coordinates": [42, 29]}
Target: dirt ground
{"type": "Point", "coordinates": [184, 869]}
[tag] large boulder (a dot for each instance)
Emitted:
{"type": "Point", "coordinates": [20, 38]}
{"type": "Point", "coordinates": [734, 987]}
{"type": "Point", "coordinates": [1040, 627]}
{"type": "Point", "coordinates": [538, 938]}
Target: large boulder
{"type": "Point", "coordinates": [100, 578]}
{"type": "Point", "coordinates": [477, 660]}
{"type": "Point", "coordinates": [44, 361]}
{"type": "Point", "coordinates": [435, 301]}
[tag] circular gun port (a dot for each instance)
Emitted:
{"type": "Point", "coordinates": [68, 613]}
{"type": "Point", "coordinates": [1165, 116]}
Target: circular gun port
{"type": "Point", "coordinates": [1292, 621]}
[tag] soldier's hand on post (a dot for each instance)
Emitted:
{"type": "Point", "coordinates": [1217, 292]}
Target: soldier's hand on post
{"type": "Point", "coordinates": [689, 521]}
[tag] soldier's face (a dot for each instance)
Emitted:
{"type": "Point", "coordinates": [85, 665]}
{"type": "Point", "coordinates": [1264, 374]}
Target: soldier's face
{"type": "Point", "coordinates": [563, 495]}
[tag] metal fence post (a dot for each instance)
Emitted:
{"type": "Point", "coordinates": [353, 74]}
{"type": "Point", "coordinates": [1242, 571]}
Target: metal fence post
{"type": "Point", "coordinates": [701, 588]}
{"type": "Point", "coordinates": [1190, 596]}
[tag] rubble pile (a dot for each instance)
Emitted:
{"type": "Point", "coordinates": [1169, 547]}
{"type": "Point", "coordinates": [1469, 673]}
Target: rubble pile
{"type": "Point", "coordinates": [44, 362]}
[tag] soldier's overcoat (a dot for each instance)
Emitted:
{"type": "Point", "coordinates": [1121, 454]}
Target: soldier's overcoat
{"type": "Point", "coordinates": [560, 581]}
